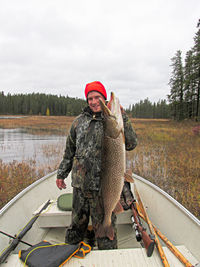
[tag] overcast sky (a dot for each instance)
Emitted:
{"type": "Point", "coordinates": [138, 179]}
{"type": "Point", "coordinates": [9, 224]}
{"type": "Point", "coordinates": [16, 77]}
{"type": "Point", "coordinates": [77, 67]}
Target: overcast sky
{"type": "Point", "coordinates": [57, 46]}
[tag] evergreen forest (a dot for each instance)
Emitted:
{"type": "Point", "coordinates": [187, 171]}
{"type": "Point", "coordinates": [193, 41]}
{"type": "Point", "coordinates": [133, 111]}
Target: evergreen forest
{"type": "Point", "coordinates": [184, 97]}
{"type": "Point", "coordinates": [40, 104]}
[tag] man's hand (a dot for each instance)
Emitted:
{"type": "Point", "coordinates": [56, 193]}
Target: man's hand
{"type": "Point", "coordinates": [109, 106]}
{"type": "Point", "coordinates": [60, 184]}
{"type": "Point", "coordinates": [126, 198]}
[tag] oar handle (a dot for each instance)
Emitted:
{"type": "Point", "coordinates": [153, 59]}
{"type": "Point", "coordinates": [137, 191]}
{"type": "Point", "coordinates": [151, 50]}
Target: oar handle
{"type": "Point", "coordinates": [158, 245]}
{"type": "Point", "coordinates": [173, 249]}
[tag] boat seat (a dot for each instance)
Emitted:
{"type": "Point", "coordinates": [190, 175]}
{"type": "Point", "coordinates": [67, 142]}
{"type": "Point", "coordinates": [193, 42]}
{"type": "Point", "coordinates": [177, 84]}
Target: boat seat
{"type": "Point", "coordinates": [58, 214]}
{"type": "Point", "coordinates": [64, 202]}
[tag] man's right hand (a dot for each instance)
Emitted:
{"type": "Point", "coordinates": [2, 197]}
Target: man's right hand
{"type": "Point", "coordinates": [60, 184]}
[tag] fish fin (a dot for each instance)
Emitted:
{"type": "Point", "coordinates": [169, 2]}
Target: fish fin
{"type": "Point", "coordinates": [107, 231]}
{"type": "Point", "coordinates": [118, 208]}
{"type": "Point", "coordinates": [128, 178]}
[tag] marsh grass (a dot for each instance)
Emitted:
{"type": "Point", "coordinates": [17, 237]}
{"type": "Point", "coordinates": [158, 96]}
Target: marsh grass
{"type": "Point", "coordinates": [168, 154]}
{"type": "Point", "coordinates": [38, 124]}
{"type": "Point", "coordinates": [15, 176]}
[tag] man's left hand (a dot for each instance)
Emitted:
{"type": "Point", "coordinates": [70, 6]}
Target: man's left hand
{"type": "Point", "coordinates": [60, 184]}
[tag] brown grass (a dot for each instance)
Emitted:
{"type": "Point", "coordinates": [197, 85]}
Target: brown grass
{"type": "Point", "coordinates": [14, 176]}
{"type": "Point", "coordinates": [168, 154]}
{"type": "Point", "coordinates": [38, 124]}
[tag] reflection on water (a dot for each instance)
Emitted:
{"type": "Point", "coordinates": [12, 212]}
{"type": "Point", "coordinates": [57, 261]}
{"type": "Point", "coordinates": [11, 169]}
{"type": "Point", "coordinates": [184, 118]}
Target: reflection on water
{"type": "Point", "coordinates": [15, 144]}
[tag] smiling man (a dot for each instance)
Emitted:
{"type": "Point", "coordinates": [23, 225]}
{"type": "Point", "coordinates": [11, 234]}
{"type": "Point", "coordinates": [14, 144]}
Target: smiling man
{"type": "Point", "coordinates": [94, 91]}
{"type": "Point", "coordinates": [83, 155]}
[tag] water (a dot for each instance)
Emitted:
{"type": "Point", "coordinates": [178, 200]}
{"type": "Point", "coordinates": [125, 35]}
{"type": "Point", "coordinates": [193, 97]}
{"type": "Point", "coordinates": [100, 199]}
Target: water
{"type": "Point", "coordinates": [16, 144]}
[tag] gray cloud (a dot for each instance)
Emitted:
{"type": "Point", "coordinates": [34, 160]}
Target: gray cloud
{"type": "Point", "coordinates": [58, 46]}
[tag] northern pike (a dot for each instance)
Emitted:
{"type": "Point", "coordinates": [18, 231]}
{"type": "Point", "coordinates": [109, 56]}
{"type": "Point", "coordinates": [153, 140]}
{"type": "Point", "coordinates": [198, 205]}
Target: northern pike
{"type": "Point", "coordinates": [113, 168]}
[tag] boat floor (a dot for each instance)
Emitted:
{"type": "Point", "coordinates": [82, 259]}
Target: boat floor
{"type": "Point", "coordinates": [120, 257]}
{"type": "Point", "coordinates": [124, 256]}
{"type": "Point", "coordinates": [129, 252]}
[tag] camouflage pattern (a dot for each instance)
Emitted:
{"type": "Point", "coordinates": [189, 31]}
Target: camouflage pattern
{"type": "Point", "coordinates": [83, 155]}
{"type": "Point", "coordinates": [84, 150]}
{"type": "Point", "coordinates": [84, 206]}
{"type": "Point", "coordinates": [130, 135]}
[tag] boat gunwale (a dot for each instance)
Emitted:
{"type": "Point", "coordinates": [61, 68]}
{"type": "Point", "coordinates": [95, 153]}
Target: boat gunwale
{"type": "Point", "coordinates": [170, 198]}
{"type": "Point", "coordinates": [143, 180]}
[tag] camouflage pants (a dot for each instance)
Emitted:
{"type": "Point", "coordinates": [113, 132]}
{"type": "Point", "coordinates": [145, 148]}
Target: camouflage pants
{"type": "Point", "coordinates": [84, 206]}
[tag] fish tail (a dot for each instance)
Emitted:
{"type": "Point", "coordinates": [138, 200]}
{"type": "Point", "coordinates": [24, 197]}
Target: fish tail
{"type": "Point", "coordinates": [105, 231]}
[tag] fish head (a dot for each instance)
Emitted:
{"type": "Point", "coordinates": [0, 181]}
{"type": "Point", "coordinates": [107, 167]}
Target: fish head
{"type": "Point", "coordinates": [113, 117]}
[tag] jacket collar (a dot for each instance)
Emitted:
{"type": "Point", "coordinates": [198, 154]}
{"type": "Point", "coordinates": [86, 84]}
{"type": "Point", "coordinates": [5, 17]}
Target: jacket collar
{"type": "Point", "coordinates": [87, 110]}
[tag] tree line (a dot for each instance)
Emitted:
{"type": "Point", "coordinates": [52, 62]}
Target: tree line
{"type": "Point", "coordinates": [184, 97]}
{"type": "Point", "coordinates": [146, 109]}
{"type": "Point", "coordinates": [40, 104]}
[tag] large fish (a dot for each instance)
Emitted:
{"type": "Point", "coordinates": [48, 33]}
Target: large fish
{"type": "Point", "coordinates": [113, 168]}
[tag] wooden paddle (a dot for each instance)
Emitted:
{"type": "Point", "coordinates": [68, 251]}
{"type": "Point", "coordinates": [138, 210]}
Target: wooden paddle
{"type": "Point", "coordinates": [173, 249]}
{"type": "Point", "coordinates": [158, 245]}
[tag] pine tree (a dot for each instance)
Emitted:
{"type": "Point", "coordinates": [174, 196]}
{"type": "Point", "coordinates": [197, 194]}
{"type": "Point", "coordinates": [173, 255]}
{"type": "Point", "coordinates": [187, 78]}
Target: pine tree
{"type": "Point", "coordinates": [189, 88]}
{"type": "Point", "coordinates": [176, 84]}
{"type": "Point", "coordinates": [2, 103]}
{"type": "Point", "coordinates": [196, 51]}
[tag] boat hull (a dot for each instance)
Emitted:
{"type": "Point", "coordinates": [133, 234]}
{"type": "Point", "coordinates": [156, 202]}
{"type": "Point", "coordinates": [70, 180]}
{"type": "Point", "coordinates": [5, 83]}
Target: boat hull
{"type": "Point", "coordinates": [173, 220]}
{"type": "Point", "coordinates": [178, 224]}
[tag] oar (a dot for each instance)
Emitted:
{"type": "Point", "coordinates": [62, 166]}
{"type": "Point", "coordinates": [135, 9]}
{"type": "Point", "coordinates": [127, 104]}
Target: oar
{"type": "Point", "coordinates": [173, 249]}
{"type": "Point", "coordinates": [159, 247]}
{"type": "Point", "coordinates": [14, 237]}
{"type": "Point", "coordinates": [18, 238]}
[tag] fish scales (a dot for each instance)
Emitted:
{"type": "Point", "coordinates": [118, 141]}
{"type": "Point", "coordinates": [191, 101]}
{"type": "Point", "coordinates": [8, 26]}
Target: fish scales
{"type": "Point", "coordinates": [113, 168]}
{"type": "Point", "coordinates": [113, 174]}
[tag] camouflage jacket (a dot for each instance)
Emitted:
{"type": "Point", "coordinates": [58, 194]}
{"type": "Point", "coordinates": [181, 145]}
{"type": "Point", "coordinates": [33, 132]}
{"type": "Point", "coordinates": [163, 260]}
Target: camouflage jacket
{"type": "Point", "coordinates": [83, 152]}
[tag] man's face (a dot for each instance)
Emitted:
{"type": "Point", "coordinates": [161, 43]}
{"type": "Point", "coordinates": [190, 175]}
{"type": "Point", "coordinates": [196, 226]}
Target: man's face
{"type": "Point", "coordinates": [93, 101]}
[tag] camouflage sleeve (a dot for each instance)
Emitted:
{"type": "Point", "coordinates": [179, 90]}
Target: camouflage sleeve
{"type": "Point", "coordinates": [66, 164]}
{"type": "Point", "coordinates": [130, 135]}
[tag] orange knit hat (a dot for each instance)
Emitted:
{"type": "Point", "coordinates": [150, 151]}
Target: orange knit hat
{"type": "Point", "coordinates": [95, 86]}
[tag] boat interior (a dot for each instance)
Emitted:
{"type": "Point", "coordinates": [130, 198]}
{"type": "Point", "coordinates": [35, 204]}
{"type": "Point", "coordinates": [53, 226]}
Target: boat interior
{"type": "Point", "coordinates": [51, 226]}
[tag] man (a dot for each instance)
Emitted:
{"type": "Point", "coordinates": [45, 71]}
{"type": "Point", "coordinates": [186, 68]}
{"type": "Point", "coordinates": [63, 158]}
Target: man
{"type": "Point", "coordinates": [83, 155]}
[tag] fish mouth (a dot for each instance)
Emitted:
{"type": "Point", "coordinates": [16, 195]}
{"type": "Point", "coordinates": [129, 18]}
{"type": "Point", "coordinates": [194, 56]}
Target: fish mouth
{"type": "Point", "coordinates": [105, 108]}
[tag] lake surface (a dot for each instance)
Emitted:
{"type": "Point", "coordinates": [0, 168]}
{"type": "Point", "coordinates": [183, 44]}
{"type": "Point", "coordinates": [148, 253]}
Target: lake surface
{"type": "Point", "coordinates": [16, 144]}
